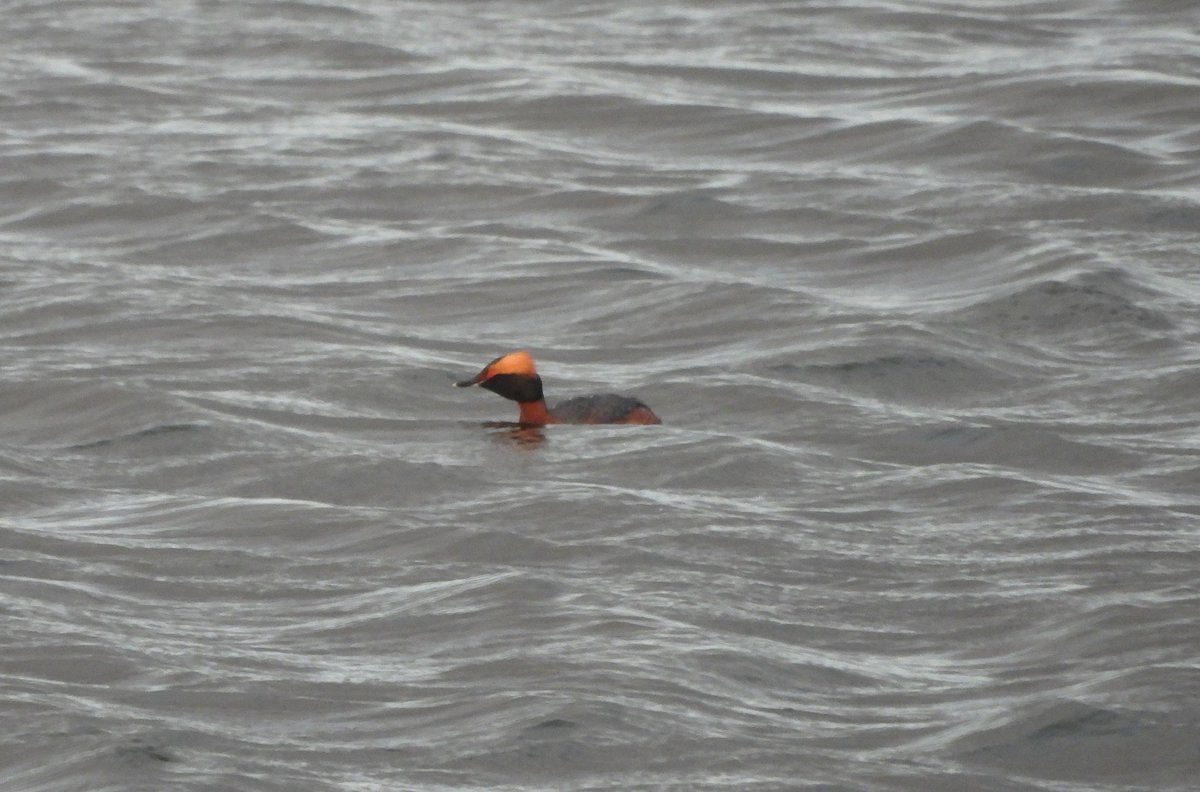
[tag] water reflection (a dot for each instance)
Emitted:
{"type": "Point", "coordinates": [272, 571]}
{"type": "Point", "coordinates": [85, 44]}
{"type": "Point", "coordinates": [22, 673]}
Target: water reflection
{"type": "Point", "coordinates": [518, 434]}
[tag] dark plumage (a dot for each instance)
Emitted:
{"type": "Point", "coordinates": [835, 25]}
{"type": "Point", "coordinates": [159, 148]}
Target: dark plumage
{"type": "Point", "coordinates": [600, 408]}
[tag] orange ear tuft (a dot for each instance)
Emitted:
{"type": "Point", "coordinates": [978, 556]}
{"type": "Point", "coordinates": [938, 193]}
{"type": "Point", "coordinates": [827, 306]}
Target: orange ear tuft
{"type": "Point", "coordinates": [518, 362]}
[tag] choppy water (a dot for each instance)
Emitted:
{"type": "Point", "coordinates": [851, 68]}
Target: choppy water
{"type": "Point", "coordinates": [912, 285]}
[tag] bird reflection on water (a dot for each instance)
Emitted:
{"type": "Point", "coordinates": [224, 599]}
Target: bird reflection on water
{"type": "Point", "coordinates": [521, 435]}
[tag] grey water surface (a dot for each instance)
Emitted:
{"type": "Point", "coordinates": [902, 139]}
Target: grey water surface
{"type": "Point", "coordinates": [914, 286]}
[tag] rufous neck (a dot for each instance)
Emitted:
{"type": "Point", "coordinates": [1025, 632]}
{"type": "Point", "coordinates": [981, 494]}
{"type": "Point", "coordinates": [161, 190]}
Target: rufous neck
{"type": "Point", "coordinates": [534, 413]}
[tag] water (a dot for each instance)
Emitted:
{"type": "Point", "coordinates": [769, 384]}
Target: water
{"type": "Point", "coordinates": [912, 286]}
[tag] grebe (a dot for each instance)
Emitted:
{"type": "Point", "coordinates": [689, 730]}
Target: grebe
{"type": "Point", "coordinates": [514, 377]}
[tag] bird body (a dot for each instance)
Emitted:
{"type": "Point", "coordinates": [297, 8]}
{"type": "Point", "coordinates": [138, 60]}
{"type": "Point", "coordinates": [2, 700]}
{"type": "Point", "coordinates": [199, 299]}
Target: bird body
{"type": "Point", "coordinates": [514, 377]}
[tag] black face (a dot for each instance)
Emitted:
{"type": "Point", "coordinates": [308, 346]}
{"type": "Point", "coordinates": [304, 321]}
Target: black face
{"type": "Point", "coordinates": [518, 387]}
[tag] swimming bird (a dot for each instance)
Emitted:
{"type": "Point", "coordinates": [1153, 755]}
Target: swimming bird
{"type": "Point", "coordinates": [513, 376]}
